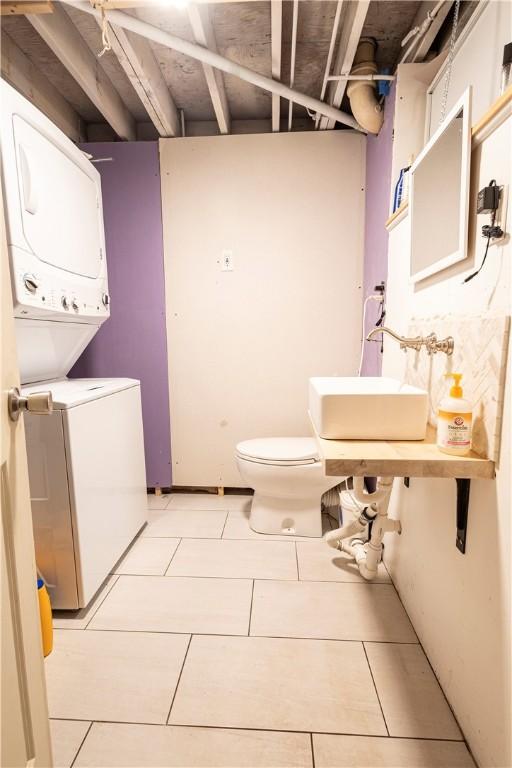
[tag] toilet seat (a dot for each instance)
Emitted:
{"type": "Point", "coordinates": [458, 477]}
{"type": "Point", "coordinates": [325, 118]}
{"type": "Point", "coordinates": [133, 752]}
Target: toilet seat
{"type": "Point", "coordinates": [279, 451]}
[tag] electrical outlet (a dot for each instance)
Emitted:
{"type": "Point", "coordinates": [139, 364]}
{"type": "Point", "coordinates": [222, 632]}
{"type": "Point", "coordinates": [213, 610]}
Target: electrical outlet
{"type": "Point", "coordinates": [227, 261]}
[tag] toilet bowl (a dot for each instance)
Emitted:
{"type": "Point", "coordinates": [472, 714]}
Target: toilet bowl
{"type": "Point", "coordinates": [288, 479]}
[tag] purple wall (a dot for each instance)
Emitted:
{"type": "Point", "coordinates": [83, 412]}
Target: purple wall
{"type": "Point", "coordinates": [133, 341]}
{"type": "Point", "coordinates": [378, 182]}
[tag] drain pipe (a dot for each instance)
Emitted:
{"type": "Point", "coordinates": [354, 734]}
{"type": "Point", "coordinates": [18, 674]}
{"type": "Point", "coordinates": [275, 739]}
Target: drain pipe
{"type": "Point", "coordinates": [363, 93]}
{"type": "Point", "coordinates": [367, 554]}
{"type": "Point", "coordinates": [206, 56]}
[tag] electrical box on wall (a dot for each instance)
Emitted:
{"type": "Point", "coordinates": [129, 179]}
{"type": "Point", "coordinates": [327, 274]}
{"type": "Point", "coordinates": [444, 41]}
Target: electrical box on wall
{"type": "Point", "coordinates": [227, 261]}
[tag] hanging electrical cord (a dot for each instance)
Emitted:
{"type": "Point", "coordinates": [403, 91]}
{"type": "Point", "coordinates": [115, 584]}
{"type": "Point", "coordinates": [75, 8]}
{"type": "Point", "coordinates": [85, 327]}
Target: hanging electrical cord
{"type": "Point", "coordinates": [451, 52]}
{"type": "Point", "coordinates": [105, 33]}
{"type": "Point", "coordinates": [491, 231]}
{"type": "Point", "coordinates": [372, 297]}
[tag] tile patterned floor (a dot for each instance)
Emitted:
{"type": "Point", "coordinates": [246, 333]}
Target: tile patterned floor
{"type": "Point", "coordinates": [214, 646]}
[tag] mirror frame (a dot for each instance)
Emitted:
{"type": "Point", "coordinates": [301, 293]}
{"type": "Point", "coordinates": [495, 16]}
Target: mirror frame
{"type": "Point", "coordinates": [464, 104]}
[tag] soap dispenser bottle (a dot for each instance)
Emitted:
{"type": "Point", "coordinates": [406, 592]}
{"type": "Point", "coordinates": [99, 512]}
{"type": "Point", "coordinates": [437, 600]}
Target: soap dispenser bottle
{"type": "Point", "coordinates": [454, 420]}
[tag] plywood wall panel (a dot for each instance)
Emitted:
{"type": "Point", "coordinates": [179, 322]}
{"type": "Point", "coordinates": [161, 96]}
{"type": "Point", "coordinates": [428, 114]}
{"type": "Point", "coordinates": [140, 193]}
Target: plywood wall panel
{"type": "Point", "coordinates": [242, 344]}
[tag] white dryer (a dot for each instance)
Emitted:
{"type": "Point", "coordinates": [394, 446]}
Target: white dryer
{"type": "Point", "coordinates": [86, 460]}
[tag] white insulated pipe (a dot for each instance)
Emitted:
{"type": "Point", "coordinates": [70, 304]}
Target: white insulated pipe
{"type": "Point", "coordinates": [417, 33]}
{"type": "Point", "coordinates": [206, 56]}
{"type": "Point", "coordinates": [361, 77]}
{"type": "Point", "coordinates": [378, 496]}
{"type": "Point", "coordinates": [368, 554]}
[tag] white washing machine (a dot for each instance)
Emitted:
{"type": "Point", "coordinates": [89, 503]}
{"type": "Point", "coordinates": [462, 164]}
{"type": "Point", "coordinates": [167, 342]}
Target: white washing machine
{"type": "Point", "coordinates": [87, 482]}
{"type": "Point", "coordinates": [86, 458]}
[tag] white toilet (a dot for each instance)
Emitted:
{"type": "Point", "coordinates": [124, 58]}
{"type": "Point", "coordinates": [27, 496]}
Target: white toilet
{"type": "Point", "coordinates": [288, 479]}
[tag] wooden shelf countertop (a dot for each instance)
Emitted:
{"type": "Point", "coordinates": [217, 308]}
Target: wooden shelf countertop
{"type": "Point", "coordinates": [397, 458]}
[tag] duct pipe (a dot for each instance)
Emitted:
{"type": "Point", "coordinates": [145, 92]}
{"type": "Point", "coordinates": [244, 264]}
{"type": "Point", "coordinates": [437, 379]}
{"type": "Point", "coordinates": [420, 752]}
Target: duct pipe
{"type": "Point", "coordinates": [206, 56]}
{"type": "Point", "coordinates": [362, 94]}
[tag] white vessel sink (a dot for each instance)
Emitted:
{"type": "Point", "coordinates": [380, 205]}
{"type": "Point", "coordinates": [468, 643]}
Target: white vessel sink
{"type": "Point", "coordinates": [367, 408]}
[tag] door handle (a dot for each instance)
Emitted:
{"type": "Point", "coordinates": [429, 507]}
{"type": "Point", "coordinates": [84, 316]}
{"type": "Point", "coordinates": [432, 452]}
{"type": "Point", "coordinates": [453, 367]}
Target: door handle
{"type": "Point", "coordinates": [38, 402]}
{"type": "Point", "coordinates": [29, 193]}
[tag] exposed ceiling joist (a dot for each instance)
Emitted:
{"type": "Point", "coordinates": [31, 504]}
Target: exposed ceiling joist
{"type": "Point", "coordinates": [122, 5]}
{"type": "Point", "coordinates": [353, 18]}
{"type": "Point", "coordinates": [27, 6]}
{"type": "Point", "coordinates": [21, 73]}
{"type": "Point", "coordinates": [276, 33]}
{"type": "Point", "coordinates": [200, 53]}
{"type": "Point", "coordinates": [295, 19]}
{"type": "Point", "coordinates": [441, 11]}
{"type": "Point", "coordinates": [200, 22]}
{"type": "Point", "coordinates": [61, 35]}
{"type": "Point", "coordinates": [141, 67]}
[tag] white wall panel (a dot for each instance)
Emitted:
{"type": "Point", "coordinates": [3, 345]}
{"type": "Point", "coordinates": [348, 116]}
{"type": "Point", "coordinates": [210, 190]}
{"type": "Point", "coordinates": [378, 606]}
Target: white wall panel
{"type": "Point", "coordinates": [460, 604]}
{"type": "Point", "coordinates": [477, 63]}
{"type": "Point", "coordinates": [242, 344]}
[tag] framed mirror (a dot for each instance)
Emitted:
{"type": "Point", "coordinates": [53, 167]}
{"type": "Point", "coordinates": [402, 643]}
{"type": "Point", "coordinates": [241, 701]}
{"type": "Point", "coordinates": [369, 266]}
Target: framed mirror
{"type": "Point", "coordinates": [439, 195]}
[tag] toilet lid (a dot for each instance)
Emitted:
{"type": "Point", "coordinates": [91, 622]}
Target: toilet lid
{"type": "Point", "coordinates": [280, 449]}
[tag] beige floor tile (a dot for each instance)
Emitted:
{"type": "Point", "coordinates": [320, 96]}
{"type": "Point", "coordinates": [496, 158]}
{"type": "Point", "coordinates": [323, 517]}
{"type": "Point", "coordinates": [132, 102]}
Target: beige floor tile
{"type": "Point", "coordinates": [80, 619]}
{"type": "Point", "coordinates": [328, 611]}
{"type": "Point", "coordinates": [319, 562]}
{"type": "Point", "coordinates": [237, 527]}
{"type": "Point", "coordinates": [148, 557]}
{"type": "Point", "coordinates": [112, 745]}
{"type": "Point", "coordinates": [412, 701]}
{"type": "Point", "coordinates": [188, 523]}
{"type": "Point", "coordinates": [158, 502]}
{"type": "Point", "coordinates": [67, 735]}
{"type": "Point", "coordinates": [207, 501]}
{"type": "Point", "coordinates": [235, 559]}
{"type": "Point", "coordinates": [364, 752]}
{"type": "Point", "coordinates": [121, 676]}
{"type": "Point", "coordinates": [257, 682]}
{"type": "Point", "coordinates": [163, 604]}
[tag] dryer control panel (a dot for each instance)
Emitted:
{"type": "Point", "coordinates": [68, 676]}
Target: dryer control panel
{"type": "Point", "coordinates": [37, 292]}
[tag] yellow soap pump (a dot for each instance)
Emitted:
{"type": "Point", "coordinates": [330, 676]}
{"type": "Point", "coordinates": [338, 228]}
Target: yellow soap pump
{"type": "Point", "coordinates": [454, 420]}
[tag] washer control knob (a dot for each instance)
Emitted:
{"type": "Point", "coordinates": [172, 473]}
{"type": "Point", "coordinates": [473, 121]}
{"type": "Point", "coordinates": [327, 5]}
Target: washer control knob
{"type": "Point", "coordinates": [105, 300]}
{"type": "Point", "coordinates": [75, 306]}
{"type": "Point", "coordinates": [30, 282]}
{"type": "Point", "coordinates": [65, 302]}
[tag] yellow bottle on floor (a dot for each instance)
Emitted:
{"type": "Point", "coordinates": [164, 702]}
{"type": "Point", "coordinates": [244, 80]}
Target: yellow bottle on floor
{"type": "Point", "coordinates": [45, 612]}
{"type": "Point", "coordinates": [454, 420]}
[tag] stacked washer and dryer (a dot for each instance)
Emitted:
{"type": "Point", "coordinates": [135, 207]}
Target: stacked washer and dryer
{"type": "Point", "coordinates": [86, 457]}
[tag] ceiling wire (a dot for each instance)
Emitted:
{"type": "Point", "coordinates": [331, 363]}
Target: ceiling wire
{"type": "Point", "coordinates": [105, 32]}
{"type": "Point", "coordinates": [448, 73]}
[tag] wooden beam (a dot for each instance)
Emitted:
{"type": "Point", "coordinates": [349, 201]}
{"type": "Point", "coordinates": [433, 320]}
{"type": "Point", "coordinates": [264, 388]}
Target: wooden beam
{"type": "Point", "coordinates": [420, 51]}
{"type": "Point", "coordinates": [61, 35]}
{"type": "Point", "coordinates": [352, 23]}
{"type": "Point", "coordinates": [141, 67]}
{"type": "Point", "coordinates": [27, 6]}
{"type": "Point", "coordinates": [200, 22]}
{"type": "Point", "coordinates": [23, 75]}
{"type": "Point", "coordinates": [121, 5]}
{"type": "Point", "coordinates": [276, 33]}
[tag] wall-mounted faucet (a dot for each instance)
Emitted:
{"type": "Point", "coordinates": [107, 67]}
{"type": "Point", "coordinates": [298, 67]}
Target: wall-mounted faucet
{"type": "Point", "coordinates": [430, 342]}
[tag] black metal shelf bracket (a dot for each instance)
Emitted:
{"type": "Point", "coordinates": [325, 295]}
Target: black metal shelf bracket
{"type": "Point", "coordinates": [463, 489]}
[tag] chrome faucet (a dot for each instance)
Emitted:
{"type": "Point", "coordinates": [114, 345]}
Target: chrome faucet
{"type": "Point", "coordinates": [430, 342]}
